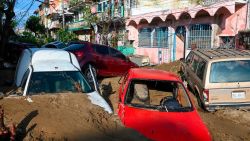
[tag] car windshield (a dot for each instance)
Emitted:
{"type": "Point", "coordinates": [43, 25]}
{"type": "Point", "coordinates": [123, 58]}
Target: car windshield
{"type": "Point", "coordinates": [165, 96]}
{"type": "Point", "coordinates": [230, 71]}
{"type": "Point", "coordinates": [58, 82]}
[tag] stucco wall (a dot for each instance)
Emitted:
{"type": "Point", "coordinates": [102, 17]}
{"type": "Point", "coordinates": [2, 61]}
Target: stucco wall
{"type": "Point", "coordinates": [233, 20]}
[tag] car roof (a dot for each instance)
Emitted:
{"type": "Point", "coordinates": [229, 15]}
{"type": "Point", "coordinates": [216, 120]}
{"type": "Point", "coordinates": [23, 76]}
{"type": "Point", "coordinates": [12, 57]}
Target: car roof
{"type": "Point", "coordinates": [222, 53]}
{"type": "Point", "coordinates": [49, 54]}
{"type": "Point", "coordinates": [152, 74]}
{"type": "Point", "coordinates": [45, 59]}
{"type": "Point", "coordinates": [54, 65]}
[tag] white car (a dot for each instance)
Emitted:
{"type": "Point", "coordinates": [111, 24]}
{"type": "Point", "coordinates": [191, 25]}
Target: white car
{"type": "Point", "coordinates": [51, 71]}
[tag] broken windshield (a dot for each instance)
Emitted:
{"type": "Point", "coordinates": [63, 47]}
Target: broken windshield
{"type": "Point", "coordinates": [58, 82]}
{"type": "Point", "coordinates": [158, 95]}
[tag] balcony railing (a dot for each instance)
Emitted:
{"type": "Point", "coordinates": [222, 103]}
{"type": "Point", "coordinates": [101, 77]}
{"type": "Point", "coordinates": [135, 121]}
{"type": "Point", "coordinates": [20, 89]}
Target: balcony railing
{"type": "Point", "coordinates": [54, 25]}
{"type": "Point", "coordinates": [209, 2]}
{"type": "Point", "coordinates": [78, 25]}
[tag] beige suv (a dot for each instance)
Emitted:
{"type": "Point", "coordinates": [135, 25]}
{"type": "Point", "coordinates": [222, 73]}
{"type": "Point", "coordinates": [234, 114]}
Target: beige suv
{"type": "Point", "coordinates": [218, 77]}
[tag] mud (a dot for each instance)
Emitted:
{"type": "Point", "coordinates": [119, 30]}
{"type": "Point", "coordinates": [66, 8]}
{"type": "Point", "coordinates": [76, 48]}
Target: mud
{"type": "Point", "coordinates": [64, 117]}
{"type": "Point", "coordinates": [73, 117]}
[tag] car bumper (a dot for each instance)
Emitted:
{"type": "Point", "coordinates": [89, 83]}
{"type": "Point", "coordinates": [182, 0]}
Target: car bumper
{"type": "Point", "coordinates": [216, 106]}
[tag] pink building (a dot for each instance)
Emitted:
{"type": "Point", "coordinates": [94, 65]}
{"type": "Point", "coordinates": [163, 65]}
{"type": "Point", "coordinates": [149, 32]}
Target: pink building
{"type": "Point", "coordinates": [166, 30]}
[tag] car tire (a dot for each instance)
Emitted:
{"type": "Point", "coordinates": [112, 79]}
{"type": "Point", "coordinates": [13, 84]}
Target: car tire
{"type": "Point", "coordinates": [200, 104]}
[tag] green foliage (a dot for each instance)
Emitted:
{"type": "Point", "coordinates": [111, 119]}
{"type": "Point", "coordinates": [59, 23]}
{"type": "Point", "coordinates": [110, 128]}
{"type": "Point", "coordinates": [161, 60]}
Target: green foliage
{"type": "Point", "coordinates": [33, 24]}
{"type": "Point", "coordinates": [197, 1]}
{"type": "Point", "coordinates": [88, 16]}
{"type": "Point", "coordinates": [66, 36]}
{"type": "Point", "coordinates": [28, 37]}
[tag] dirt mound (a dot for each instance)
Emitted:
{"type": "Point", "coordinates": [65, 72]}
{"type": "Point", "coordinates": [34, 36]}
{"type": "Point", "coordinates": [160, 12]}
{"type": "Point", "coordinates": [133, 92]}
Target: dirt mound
{"type": "Point", "coordinates": [64, 117]}
{"type": "Point", "coordinates": [173, 67]}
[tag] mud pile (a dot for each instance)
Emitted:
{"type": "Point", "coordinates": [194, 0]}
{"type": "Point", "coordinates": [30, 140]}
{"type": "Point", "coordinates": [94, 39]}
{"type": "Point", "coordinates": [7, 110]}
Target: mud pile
{"type": "Point", "coordinates": [64, 117]}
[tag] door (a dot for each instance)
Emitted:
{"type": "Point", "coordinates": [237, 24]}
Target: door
{"type": "Point", "coordinates": [103, 61]}
{"type": "Point", "coordinates": [121, 64]}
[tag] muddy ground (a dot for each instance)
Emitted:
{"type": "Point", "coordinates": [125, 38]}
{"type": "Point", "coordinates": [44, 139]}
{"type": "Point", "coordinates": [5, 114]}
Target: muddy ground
{"type": "Point", "coordinates": [52, 117]}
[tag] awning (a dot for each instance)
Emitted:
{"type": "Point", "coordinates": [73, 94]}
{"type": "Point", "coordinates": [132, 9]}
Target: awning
{"type": "Point", "coordinates": [79, 28]}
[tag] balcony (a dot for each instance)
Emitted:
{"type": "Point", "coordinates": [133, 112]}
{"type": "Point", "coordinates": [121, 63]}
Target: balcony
{"type": "Point", "coordinates": [210, 2]}
{"type": "Point", "coordinates": [78, 25]}
{"type": "Point", "coordinates": [55, 25]}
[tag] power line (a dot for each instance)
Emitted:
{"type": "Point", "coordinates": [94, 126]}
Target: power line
{"type": "Point", "coordinates": [26, 12]}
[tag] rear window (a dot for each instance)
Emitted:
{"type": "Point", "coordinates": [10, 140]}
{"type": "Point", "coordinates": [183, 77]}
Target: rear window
{"type": "Point", "coordinates": [230, 71]}
{"type": "Point", "coordinates": [103, 50]}
{"type": "Point", "coordinates": [75, 47]}
{"type": "Point", "coordinates": [60, 45]}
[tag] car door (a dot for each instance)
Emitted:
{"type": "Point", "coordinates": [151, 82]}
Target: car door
{"type": "Point", "coordinates": [192, 71]}
{"type": "Point", "coordinates": [122, 94]}
{"type": "Point", "coordinates": [103, 61]}
{"type": "Point", "coordinates": [186, 67]}
{"type": "Point", "coordinates": [121, 64]}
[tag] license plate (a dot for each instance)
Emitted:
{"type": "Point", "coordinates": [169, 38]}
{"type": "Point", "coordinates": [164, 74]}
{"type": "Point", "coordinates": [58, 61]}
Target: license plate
{"type": "Point", "coordinates": [238, 95]}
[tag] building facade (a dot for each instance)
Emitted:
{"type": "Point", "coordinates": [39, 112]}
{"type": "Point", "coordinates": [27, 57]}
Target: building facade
{"type": "Point", "coordinates": [166, 30]}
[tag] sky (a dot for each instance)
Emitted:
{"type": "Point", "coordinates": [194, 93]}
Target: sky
{"type": "Point", "coordinates": [24, 9]}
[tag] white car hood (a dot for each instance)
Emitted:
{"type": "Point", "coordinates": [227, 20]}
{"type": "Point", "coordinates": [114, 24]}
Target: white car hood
{"type": "Point", "coordinates": [97, 99]}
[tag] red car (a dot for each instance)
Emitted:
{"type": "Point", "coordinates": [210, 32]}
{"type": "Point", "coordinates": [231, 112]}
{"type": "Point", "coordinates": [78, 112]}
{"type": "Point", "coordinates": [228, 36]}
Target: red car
{"type": "Point", "coordinates": [156, 104]}
{"type": "Point", "coordinates": [106, 61]}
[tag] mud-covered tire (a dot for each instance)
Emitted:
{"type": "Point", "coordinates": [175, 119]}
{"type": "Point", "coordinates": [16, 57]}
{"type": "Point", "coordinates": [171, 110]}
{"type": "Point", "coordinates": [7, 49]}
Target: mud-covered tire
{"type": "Point", "coordinates": [200, 104]}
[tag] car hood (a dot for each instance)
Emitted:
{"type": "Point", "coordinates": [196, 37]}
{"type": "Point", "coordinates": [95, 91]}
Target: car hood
{"type": "Point", "coordinates": [97, 99]}
{"type": "Point", "coordinates": [162, 126]}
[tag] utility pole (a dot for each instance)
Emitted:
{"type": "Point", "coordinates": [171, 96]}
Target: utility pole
{"type": "Point", "coordinates": [63, 17]}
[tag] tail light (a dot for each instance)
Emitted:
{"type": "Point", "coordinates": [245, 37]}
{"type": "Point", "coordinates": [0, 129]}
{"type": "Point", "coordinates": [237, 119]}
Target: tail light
{"type": "Point", "coordinates": [79, 54]}
{"type": "Point", "coordinates": [206, 95]}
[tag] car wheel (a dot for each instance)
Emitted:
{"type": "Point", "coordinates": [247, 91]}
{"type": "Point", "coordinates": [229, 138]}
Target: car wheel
{"type": "Point", "coordinates": [200, 102]}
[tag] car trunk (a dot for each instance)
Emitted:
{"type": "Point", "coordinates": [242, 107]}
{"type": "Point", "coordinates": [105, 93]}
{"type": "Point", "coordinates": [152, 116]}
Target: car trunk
{"type": "Point", "coordinates": [228, 82]}
{"type": "Point", "coordinates": [229, 94]}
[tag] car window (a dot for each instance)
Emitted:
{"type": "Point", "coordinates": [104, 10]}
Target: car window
{"type": "Point", "coordinates": [58, 82]}
{"type": "Point", "coordinates": [195, 63]}
{"type": "Point", "coordinates": [117, 54]}
{"type": "Point", "coordinates": [50, 46]}
{"type": "Point", "coordinates": [230, 71]}
{"type": "Point", "coordinates": [201, 69]}
{"type": "Point", "coordinates": [103, 50]}
{"type": "Point", "coordinates": [60, 45]}
{"type": "Point", "coordinates": [165, 96]}
{"type": "Point", "coordinates": [73, 47]}
{"type": "Point", "coordinates": [189, 58]}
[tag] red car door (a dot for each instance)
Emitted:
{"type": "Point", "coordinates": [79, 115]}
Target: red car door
{"type": "Point", "coordinates": [103, 61]}
{"type": "Point", "coordinates": [164, 126]}
{"type": "Point", "coordinates": [122, 65]}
